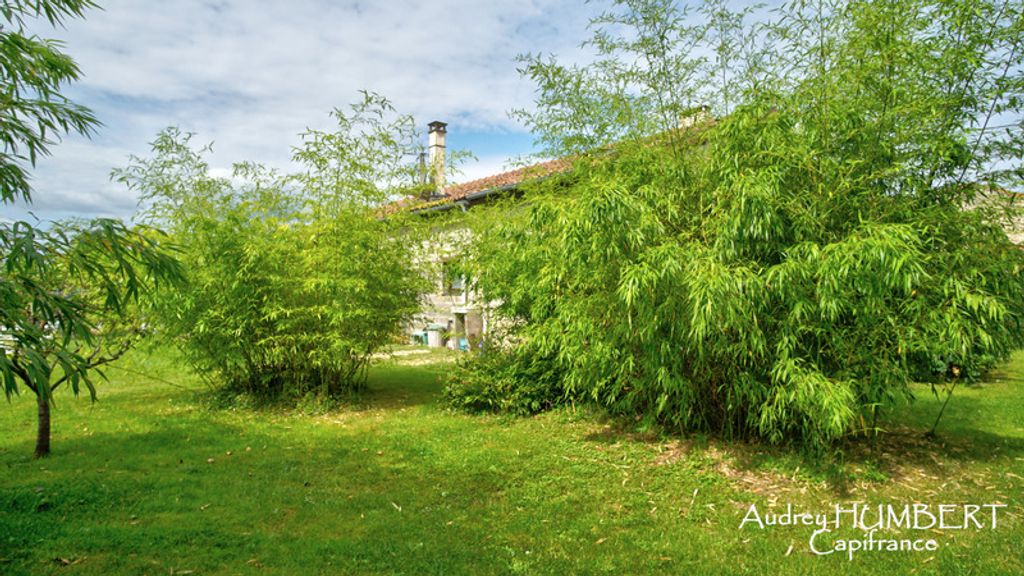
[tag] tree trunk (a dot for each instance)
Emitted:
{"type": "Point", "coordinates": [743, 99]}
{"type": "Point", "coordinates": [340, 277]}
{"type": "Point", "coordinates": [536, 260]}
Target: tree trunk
{"type": "Point", "coordinates": [43, 435]}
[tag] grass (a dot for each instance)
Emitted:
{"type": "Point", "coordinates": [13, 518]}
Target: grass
{"type": "Point", "coordinates": [148, 480]}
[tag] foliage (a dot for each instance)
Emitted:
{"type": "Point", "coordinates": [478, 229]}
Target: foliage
{"type": "Point", "coordinates": [70, 300]}
{"type": "Point", "coordinates": [511, 382]}
{"type": "Point", "coordinates": [783, 268]}
{"type": "Point", "coordinates": [294, 282]}
{"type": "Point", "coordinates": [32, 71]}
{"type": "Point", "coordinates": [70, 293]}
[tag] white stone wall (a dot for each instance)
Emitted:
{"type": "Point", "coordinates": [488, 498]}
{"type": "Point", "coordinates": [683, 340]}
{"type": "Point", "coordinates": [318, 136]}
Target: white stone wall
{"type": "Point", "coordinates": [458, 312]}
{"type": "Point", "coordinates": [1009, 209]}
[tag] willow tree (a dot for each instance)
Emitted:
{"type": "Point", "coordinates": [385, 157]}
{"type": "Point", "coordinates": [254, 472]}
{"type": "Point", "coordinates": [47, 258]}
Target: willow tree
{"type": "Point", "coordinates": [69, 292]}
{"type": "Point", "coordinates": [777, 219]}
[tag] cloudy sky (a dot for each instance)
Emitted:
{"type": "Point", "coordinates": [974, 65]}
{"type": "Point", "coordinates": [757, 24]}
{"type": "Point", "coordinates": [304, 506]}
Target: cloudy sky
{"type": "Point", "coordinates": [249, 75]}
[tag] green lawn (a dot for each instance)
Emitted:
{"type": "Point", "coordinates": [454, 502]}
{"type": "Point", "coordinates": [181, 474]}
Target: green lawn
{"type": "Point", "coordinates": [150, 481]}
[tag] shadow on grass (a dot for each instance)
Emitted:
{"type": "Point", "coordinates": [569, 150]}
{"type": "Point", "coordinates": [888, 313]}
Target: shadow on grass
{"type": "Point", "coordinates": [173, 442]}
{"type": "Point", "coordinates": [390, 386]}
{"type": "Point", "coordinates": [190, 495]}
{"type": "Point", "coordinates": [92, 481]}
{"type": "Point", "coordinates": [903, 449]}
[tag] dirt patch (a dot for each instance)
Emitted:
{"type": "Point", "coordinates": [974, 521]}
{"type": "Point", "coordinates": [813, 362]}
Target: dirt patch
{"type": "Point", "coordinates": [719, 460]}
{"type": "Point", "coordinates": [927, 466]}
{"type": "Point", "coordinates": [903, 459]}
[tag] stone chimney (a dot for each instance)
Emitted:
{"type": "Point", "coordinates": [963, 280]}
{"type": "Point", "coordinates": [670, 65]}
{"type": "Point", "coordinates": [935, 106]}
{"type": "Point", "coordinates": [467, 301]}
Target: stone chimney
{"type": "Point", "coordinates": [435, 143]}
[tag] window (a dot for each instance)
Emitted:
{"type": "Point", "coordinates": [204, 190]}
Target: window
{"type": "Point", "coordinates": [453, 280]}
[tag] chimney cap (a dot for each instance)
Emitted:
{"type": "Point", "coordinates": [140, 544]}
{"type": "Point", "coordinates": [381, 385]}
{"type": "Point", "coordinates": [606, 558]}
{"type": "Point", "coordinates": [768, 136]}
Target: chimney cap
{"type": "Point", "coordinates": [438, 126]}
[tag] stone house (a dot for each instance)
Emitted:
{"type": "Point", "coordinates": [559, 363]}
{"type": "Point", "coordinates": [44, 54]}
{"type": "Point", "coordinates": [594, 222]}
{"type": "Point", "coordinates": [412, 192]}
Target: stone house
{"type": "Point", "coordinates": [452, 315]}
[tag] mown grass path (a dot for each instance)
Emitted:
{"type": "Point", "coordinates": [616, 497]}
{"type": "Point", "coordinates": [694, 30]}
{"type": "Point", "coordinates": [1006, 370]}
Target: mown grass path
{"type": "Point", "coordinates": [150, 481]}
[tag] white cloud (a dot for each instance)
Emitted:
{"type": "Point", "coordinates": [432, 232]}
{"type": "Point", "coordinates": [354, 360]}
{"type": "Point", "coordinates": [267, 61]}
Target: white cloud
{"type": "Point", "coordinates": [251, 75]}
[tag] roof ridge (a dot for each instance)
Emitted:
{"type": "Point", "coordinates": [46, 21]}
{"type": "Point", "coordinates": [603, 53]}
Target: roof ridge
{"type": "Point", "coordinates": [506, 178]}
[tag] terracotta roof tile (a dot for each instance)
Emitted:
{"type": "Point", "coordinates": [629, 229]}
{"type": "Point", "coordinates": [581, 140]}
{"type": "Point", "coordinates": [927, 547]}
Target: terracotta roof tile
{"type": "Point", "coordinates": [510, 178]}
{"type": "Point", "coordinates": [457, 192]}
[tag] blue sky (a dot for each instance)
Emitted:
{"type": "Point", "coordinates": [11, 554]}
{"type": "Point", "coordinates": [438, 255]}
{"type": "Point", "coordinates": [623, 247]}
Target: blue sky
{"type": "Point", "coordinates": [250, 75]}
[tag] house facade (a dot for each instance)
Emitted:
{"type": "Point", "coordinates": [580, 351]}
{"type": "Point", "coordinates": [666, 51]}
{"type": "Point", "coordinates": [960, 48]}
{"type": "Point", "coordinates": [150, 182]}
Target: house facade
{"type": "Point", "coordinates": [452, 315]}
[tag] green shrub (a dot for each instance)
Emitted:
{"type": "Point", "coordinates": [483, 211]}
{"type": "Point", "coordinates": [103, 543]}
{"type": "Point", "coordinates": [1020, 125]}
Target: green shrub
{"type": "Point", "coordinates": [509, 382]}
{"type": "Point", "coordinates": [784, 270]}
{"type": "Point", "coordinates": [293, 281]}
